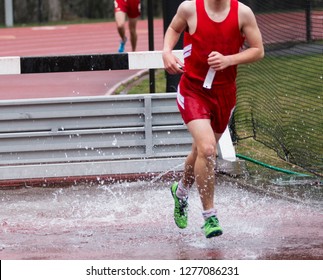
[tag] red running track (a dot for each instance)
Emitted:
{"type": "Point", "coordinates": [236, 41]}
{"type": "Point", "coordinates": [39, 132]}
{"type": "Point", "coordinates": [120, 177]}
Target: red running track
{"type": "Point", "coordinates": [67, 40]}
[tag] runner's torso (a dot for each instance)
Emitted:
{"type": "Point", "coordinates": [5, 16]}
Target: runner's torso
{"type": "Point", "coordinates": [224, 37]}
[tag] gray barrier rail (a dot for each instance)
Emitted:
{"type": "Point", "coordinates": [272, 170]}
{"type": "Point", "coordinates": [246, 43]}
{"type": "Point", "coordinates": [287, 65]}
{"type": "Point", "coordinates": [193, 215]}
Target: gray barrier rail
{"type": "Point", "coordinates": [71, 137]}
{"type": "Point", "coordinates": [75, 136]}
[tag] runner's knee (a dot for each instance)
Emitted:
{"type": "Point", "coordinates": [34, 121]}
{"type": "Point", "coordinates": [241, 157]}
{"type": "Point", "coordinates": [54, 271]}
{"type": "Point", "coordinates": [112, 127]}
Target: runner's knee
{"type": "Point", "coordinates": [207, 150]}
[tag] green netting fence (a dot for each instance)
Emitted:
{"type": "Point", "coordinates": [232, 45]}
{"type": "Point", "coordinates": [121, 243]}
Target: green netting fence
{"type": "Point", "coordinates": [280, 98]}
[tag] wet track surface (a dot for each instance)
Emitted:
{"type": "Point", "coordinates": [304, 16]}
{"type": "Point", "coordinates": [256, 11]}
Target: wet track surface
{"type": "Point", "coordinates": [133, 220]}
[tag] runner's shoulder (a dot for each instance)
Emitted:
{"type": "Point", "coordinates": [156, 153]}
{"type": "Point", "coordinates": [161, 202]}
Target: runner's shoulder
{"type": "Point", "coordinates": [245, 13]}
{"type": "Point", "coordinates": [187, 8]}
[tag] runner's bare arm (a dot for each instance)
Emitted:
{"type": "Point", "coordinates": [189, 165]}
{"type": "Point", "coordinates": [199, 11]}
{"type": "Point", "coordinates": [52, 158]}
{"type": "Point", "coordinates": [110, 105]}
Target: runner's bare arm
{"type": "Point", "coordinates": [172, 35]}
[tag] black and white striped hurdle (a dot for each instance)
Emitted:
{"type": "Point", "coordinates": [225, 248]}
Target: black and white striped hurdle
{"type": "Point", "coordinates": [75, 63]}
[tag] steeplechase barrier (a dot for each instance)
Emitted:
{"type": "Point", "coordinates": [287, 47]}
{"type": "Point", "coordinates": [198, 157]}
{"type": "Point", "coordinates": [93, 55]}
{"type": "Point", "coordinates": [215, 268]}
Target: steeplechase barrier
{"type": "Point", "coordinates": [77, 63]}
{"type": "Point", "coordinates": [95, 136]}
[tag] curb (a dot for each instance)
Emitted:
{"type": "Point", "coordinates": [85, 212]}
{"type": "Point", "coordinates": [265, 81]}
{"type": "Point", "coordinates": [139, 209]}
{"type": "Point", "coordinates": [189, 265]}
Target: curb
{"type": "Point", "coordinates": [139, 74]}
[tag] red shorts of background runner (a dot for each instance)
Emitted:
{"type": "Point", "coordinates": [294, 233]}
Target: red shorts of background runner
{"type": "Point", "coordinates": [130, 7]}
{"type": "Point", "coordinates": [196, 102]}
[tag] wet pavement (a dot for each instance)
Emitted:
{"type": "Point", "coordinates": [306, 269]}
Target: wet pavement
{"type": "Point", "coordinates": [133, 220]}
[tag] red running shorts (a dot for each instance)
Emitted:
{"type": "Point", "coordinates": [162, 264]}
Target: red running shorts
{"type": "Point", "coordinates": [130, 7]}
{"type": "Point", "coordinates": [215, 104]}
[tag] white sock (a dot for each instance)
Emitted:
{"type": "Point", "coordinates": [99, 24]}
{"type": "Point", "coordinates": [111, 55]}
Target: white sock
{"type": "Point", "coordinates": [181, 192]}
{"type": "Point", "coordinates": [209, 213]}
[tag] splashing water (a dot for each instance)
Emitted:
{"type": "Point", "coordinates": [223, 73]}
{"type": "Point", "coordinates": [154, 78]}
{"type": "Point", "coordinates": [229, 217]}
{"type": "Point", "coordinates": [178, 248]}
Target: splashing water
{"type": "Point", "coordinates": [125, 220]}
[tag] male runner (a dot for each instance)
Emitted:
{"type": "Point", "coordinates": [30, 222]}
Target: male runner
{"type": "Point", "coordinates": [130, 8]}
{"type": "Point", "coordinates": [214, 32]}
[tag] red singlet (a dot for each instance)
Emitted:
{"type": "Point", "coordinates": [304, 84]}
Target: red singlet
{"type": "Point", "coordinates": [217, 103]}
{"type": "Point", "coordinates": [130, 7]}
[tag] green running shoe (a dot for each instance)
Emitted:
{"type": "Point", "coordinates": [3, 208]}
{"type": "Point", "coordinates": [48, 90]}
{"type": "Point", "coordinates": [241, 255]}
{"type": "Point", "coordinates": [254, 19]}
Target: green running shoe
{"type": "Point", "coordinates": [180, 210]}
{"type": "Point", "coordinates": [212, 227]}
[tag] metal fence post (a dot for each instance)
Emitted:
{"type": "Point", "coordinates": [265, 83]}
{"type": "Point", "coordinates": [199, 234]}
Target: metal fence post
{"type": "Point", "coordinates": [152, 86]}
{"type": "Point", "coordinates": [308, 12]}
{"type": "Point", "coordinates": [169, 10]}
{"type": "Point", "coordinates": [8, 13]}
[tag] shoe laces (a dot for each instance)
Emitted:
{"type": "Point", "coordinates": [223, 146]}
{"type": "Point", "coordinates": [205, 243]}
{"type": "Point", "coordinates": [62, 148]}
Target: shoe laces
{"type": "Point", "coordinates": [212, 222]}
{"type": "Point", "coordinates": [182, 206]}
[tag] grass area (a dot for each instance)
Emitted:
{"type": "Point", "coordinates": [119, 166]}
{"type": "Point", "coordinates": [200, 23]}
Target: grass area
{"type": "Point", "coordinates": [280, 103]}
{"type": "Point", "coordinates": [141, 84]}
{"type": "Point", "coordinates": [258, 151]}
{"type": "Point", "coordinates": [283, 94]}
